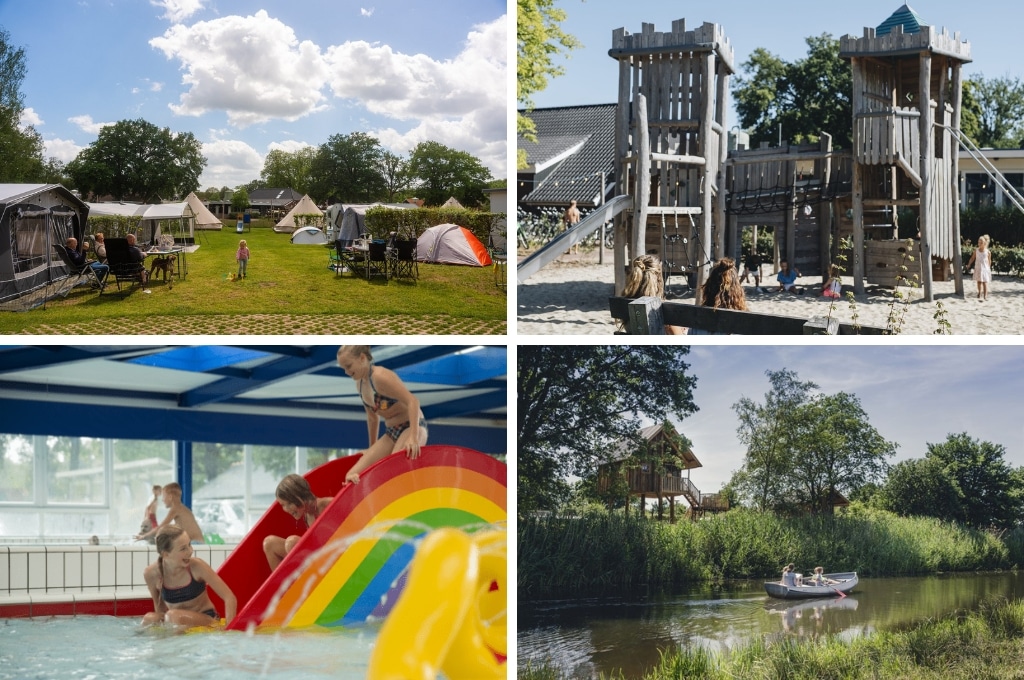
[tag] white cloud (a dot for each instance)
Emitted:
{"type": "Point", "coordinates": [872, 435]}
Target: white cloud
{"type": "Point", "coordinates": [366, 12]}
{"type": "Point", "coordinates": [86, 124]}
{"type": "Point", "coordinates": [460, 103]}
{"type": "Point", "coordinates": [253, 68]}
{"type": "Point", "coordinates": [288, 146]}
{"type": "Point", "coordinates": [63, 150]}
{"type": "Point", "coordinates": [177, 10]}
{"type": "Point", "coordinates": [229, 163]}
{"type": "Point", "coordinates": [29, 117]}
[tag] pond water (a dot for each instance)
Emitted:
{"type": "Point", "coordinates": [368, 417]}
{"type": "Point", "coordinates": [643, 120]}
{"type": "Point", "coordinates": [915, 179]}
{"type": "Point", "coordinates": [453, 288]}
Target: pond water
{"type": "Point", "coordinates": [589, 636]}
{"type": "Point", "coordinates": [108, 648]}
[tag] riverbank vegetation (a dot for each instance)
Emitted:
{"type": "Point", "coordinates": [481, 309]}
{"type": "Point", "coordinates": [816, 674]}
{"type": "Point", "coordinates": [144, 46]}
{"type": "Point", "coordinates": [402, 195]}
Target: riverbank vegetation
{"type": "Point", "coordinates": [985, 643]}
{"type": "Point", "coordinates": [599, 550]}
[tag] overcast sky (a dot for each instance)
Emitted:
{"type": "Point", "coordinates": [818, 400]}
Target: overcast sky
{"type": "Point", "coordinates": [914, 395]}
{"type": "Point", "coordinates": [247, 77]}
{"type": "Point", "coordinates": [591, 77]}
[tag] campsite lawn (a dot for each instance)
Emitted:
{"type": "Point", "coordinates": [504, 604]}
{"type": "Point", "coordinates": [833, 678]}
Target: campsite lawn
{"type": "Point", "coordinates": [288, 291]}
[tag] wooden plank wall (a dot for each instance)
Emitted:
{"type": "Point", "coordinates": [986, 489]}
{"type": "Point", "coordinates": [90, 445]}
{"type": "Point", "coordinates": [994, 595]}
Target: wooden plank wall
{"type": "Point", "coordinates": [883, 261]}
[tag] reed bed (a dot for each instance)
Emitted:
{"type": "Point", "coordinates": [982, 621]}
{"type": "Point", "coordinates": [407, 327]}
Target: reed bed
{"type": "Point", "coordinates": [601, 551]}
{"type": "Point", "coordinates": [986, 643]}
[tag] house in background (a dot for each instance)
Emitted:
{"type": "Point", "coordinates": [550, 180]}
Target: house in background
{"type": "Point", "coordinates": [977, 190]}
{"type": "Point", "coordinates": [657, 471]}
{"type": "Point", "coordinates": [571, 160]}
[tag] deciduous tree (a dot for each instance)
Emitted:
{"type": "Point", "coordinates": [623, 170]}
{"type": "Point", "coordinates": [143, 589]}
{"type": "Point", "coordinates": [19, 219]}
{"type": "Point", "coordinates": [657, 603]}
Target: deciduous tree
{"type": "Point", "coordinates": [576, 403]}
{"type": "Point", "coordinates": [347, 169]}
{"type": "Point", "coordinates": [985, 480]}
{"type": "Point", "coordinates": [1000, 111]}
{"type": "Point", "coordinates": [289, 169]}
{"type": "Point", "coordinates": [21, 147]}
{"type": "Point", "coordinates": [444, 172]}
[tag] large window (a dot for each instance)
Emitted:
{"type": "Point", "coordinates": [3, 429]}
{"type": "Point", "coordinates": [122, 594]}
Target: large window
{"type": "Point", "coordinates": [71, 488]}
{"type": "Point", "coordinates": [981, 191]}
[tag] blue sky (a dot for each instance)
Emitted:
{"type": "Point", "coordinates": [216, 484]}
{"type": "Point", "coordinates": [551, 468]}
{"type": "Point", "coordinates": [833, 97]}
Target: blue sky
{"type": "Point", "coordinates": [913, 395]}
{"type": "Point", "coordinates": [591, 77]}
{"type": "Point", "coordinates": [246, 77]}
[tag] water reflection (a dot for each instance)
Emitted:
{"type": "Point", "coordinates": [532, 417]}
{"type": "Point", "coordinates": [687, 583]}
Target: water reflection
{"type": "Point", "coordinates": [589, 636]}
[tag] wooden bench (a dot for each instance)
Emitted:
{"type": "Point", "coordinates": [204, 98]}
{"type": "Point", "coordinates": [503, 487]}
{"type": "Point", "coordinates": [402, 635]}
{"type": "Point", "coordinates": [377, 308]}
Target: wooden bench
{"type": "Point", "coordinates": [648, 316]}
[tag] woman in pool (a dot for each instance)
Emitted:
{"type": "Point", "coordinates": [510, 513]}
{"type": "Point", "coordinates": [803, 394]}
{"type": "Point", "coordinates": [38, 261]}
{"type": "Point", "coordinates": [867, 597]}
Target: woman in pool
{"type": "Point", "coordinates": [177, 581]}
{"type": "Point", "coordinates": [297, 499]}
{"type": "Point", "coordinates": [384, 396]}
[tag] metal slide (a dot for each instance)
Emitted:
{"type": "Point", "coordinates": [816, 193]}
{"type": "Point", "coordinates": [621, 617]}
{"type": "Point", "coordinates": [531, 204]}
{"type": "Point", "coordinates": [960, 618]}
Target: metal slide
{"type": "Point", "coordinates": [561, 243]}
{"type": "Point", "coordinates": [968, 145]}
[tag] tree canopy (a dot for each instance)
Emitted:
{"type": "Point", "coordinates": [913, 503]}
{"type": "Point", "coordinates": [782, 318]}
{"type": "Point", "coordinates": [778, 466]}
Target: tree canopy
{"type": "Point", "coordinates": [804, 446]}
{"type": "Point", "coordinates": [443, 172]}
{"type": "Point", "coordinates": [21, 148]}
{"type": "Point", "coordinates": [577, 403]}
{"type": "Point", "coordinates": [806, 97]}
{"type": "Point", "coordinates": [136, 160]}
{"type": "Point", "coordinates": [539, 39]}
{"type": "Point", "coordinates": [346, 169]}
{"type": "Point", "coordinates": [292, 169]}
{"type": "Point", "coordinates": [997, 108]}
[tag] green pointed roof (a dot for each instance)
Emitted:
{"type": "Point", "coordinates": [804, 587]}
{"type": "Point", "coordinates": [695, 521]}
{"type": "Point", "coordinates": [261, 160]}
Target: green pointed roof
{"type": "Point", "coordinates": [904, 16]}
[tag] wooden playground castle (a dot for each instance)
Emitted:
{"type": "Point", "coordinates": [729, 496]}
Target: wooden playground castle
{"type": "Point", "coordinates": [691, 198]}
{"type": "Point", "coordinates": [661, 470]}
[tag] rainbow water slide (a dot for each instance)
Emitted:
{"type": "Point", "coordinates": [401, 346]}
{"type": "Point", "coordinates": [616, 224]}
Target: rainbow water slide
{"type": "Point", "coordinates": [398, 500]}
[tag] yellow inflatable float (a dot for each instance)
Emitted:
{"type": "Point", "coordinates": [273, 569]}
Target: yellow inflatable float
{"type": "Point", "coordinates": [451, 616]}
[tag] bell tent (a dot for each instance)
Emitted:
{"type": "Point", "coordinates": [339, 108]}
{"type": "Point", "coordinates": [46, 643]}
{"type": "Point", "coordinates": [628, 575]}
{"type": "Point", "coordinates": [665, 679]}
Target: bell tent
{"type": "Point", "coordinates": [451, 244]}
{"type": "Point", "coordinates": [34, 217]}
{"type": "Point", "coordinates": [204, 219]}
{"type": "Point", "coordinates": [305, 206]}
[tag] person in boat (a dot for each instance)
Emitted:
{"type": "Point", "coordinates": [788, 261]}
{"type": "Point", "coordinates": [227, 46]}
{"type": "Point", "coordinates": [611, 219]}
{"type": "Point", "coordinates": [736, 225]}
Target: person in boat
{"type": "Point", "coordinates": [298, 500]}
{"type": "Point", "coordinates": [789, 576]}
{"type": "Point", "coordinates": [819, 578]}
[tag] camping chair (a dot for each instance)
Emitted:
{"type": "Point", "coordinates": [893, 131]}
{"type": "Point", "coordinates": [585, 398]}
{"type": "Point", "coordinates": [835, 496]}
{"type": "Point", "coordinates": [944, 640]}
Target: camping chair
{"type": "Point", "coordinates": [84, 271]}
{"type": "Point", "coordinates": [122, 266]}
{"type": "Point", "coordinates": [377, 260]}
{"type": "Point", "coordinates": [496, 247]}
{"type": "Point", "coordinates": [403, 259]}
{"type": "Point", "coordinates": [343, 257]}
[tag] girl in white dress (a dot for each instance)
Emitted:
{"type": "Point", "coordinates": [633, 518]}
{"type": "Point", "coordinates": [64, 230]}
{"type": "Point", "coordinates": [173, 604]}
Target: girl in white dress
{"type": "Point", "coordinates": [982, 261]}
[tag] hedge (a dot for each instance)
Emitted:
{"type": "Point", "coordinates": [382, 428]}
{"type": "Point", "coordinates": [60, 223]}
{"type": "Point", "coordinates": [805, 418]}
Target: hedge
{"type": "Point", "coordinates": [411, 223]}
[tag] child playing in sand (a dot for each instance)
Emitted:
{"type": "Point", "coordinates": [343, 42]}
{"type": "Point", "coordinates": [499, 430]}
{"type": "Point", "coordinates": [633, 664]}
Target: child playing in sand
{"type": "Point", "coordinates": [982, 261]}
{"type": "Point", "coordinates": [834, 286]}
{"type": "Point", "coordinates": [243, 258]}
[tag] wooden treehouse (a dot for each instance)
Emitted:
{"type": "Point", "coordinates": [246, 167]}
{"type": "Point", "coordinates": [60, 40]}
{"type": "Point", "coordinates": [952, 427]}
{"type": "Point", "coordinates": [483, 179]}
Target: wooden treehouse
{"type": "Point", "coordinates": [661, 470]}
{"type": "Point", "coordinates": [671, 145]}
{"type": "Point", "coordinates": [906, 100]}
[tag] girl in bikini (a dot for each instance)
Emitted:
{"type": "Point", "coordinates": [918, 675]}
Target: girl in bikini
{"type": "Point", "coordinates": [384, 396]}
{"type": "Point", "coordinates": [297, 499]}
{"type": "Point", "coordinates": [177, 581]}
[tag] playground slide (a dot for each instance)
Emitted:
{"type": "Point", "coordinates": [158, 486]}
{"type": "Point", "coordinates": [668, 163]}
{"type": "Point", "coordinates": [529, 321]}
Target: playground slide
{"type": "Point", "coordinates": [398, 500]}
{"type": "Point", "coordinates": [561, 243]}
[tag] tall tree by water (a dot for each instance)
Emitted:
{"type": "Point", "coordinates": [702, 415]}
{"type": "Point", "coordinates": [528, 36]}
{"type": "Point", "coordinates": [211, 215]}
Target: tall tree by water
{"type": "Point", "coordinates": [576, 403]}
{"type": "Point", "coordinates": [805, 97]}
{"type": "Point", "coordinates": [539, 40]}
{"type": "Point", "coordinates": [136, 160]}
{"type": "Point", "coordinates": [444, 172]}
{"type": "Point", "coordinates": [21, 147]}
{"type": "Point", "coordinates": [989, 488]}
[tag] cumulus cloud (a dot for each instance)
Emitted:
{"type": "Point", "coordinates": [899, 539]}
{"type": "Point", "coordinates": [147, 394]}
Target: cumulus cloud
{"type": "Point", "coordinates": [288, 146]}
{"type": "Point", "coordinates": [230, 163]}
{"type": "Point", "coordinates": [366, 12]}
{"type": "Point", "coordinates": [30, 117]}
{"type": "Point", "coordinates": [86, 124]}
{"type": "Point", "coordinates": [63, 150]}
{"type": "Point", "coordinates": [460, 102]}
{"type": "Point", "coordinates": [247, 67]}
{"type": "Point", "coordinates": [177, 10]}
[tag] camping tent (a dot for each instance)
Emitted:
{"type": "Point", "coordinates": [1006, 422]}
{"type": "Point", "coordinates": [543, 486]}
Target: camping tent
{"type": "Point", "coordinates": [451, 244]}
{"type": "Point", "coordinates": [305, 206]}
{"type": "Point", "coordinates": [309, 235]}
{"type": "Point", "coordinates": [204, 219]}
{"type": "Point", "coordinates": [349, 221]}
{"type": "Point", "coordinates": [177, 217]}
{"type": "Point", "coordinates": [33, 217]}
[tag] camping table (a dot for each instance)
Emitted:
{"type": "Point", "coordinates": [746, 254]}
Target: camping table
{"type": "Point", "coordinates": [182, 252]}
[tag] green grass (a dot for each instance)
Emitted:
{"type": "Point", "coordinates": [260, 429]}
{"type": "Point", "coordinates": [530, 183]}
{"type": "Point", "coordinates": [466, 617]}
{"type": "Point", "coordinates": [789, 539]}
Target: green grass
{"type": "Point", "coordinates": [986, 643]}
{"type": "Point", "coordinates": [288, 290]}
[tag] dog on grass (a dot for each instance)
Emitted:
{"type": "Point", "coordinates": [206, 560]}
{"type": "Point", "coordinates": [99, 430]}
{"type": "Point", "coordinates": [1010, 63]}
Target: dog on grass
{"type": "Point", "coordinates": [164, 264]}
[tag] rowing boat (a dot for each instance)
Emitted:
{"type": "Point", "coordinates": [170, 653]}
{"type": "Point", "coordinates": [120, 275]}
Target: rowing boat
{"type": "Point", "coordinates": [845, 582]}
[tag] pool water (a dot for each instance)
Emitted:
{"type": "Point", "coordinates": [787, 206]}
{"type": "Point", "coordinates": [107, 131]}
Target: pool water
{"type": "Point", "coordinates": [109, 648]}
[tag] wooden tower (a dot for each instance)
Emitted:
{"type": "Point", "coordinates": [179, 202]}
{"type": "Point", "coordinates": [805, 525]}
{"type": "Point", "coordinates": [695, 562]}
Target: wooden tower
{"type": "Point", "coordinates": [671, 142]}
{"type": "Point", "coordinates": [906, 103]}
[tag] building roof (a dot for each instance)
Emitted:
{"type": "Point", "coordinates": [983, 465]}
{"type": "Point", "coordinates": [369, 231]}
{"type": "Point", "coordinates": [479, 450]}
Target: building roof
{"type": "Point", "coordinates": [649, 433]}
{"type": "Point", "coordinates": [273, 196]}
{"type": "Point", "coordinates": [905, 17]}
{"type": "Point", "coordinates": [574, 145]}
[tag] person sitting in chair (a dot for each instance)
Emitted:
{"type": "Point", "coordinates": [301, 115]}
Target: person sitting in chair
{"type": "Point", "coordinates": [79, 259]}
{"type": "Point", "coordinates": [136, 255]}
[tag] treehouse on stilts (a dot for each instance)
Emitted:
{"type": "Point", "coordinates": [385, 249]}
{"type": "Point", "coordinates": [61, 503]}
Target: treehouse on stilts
{"type": "Point", "coordinates": [659, 469]}
{"type": "Point", "coordinates": [671, 145]}
{"type": "Point", "coordinates": [906, 100]}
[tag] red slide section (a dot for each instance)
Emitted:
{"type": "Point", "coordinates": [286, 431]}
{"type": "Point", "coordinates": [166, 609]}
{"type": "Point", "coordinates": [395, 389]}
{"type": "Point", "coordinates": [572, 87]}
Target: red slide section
{"type": "Point", "coordinates": [246, 568]}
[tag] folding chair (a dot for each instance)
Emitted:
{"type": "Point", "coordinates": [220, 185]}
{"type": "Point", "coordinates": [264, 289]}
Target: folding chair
{"type": "Point", "coordinates": [344, 258]}
{"type": "Point", "coordinates": [404, 260]}
{"type": "Point", "coordinates": [496, 247]}
{"type": "Point", "coordinates": [377, 260]}
{"type": "Point", "coordinates": [122, 266]}
{"type": "Point", "coordinates": [84, 271]}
